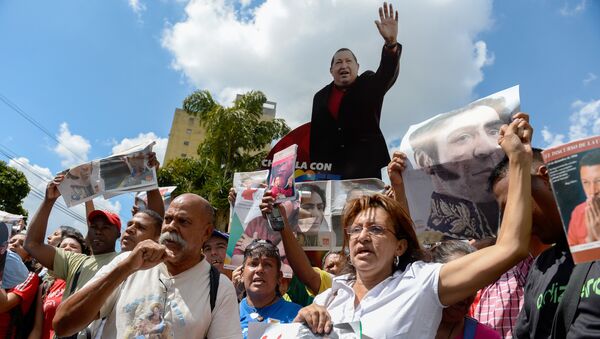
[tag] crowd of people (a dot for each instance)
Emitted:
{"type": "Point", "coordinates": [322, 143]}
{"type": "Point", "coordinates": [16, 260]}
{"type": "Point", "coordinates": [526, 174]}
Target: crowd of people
{"type": "Point", "coordinates": [169, 279]}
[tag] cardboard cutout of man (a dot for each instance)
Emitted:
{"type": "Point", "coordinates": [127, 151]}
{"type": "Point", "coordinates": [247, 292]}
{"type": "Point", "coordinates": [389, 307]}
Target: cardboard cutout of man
{"type": "Point", "coordinates": [346, 113]}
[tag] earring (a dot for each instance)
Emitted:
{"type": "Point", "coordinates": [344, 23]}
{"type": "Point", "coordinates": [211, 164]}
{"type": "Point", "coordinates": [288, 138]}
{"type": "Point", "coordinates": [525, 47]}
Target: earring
{"type": "Point", "coordinates": [396, 261]}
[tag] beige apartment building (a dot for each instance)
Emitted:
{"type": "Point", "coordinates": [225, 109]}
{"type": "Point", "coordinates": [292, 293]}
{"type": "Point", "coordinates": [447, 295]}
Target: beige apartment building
{"type": "Point", "coordinates": [186, 133]}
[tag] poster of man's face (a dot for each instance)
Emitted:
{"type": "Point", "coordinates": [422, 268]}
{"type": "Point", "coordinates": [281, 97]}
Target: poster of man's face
{"type": "Point", "coordinates": [451, 158]}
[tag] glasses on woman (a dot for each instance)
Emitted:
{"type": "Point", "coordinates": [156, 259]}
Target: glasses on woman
{"type": "Point", "coordinates": [373, 230]}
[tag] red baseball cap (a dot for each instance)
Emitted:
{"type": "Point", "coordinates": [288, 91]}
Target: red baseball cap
{"type": "Point", "coordinates": [112, 218]}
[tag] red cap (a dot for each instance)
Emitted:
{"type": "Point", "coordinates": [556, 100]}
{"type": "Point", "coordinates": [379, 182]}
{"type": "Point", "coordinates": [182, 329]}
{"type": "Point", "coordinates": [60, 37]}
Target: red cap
{"type": "Point", "coordinates": [112, 218]}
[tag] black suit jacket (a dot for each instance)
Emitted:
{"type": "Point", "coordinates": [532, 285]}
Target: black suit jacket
{"type": "Point", "coordinates": [354, 143]}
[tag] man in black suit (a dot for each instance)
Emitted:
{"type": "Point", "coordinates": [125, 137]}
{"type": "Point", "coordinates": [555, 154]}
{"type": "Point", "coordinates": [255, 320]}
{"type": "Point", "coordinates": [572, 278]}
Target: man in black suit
{"type": "Point", "coordinates": [346, 113]}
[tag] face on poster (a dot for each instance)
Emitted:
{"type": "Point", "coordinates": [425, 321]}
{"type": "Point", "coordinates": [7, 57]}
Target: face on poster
{"type": "Point", "coordinates": [451, 158]}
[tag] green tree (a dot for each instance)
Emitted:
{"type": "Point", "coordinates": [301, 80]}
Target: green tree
{"type": "Point", "coordinates": [237, 139]}
{"type": "Point", "coordinates": [13, 189]}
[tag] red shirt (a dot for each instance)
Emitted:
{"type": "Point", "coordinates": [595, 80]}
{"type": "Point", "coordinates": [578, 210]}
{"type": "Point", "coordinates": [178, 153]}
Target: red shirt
{"type": "Point", "coordinates": [50, 304]}
{"type": "Point", "coordinates": [335, 99]}
{"type": "Point", "coordinates": [577, 232]}
{"type": "Point", "coordinates": [27, 292]}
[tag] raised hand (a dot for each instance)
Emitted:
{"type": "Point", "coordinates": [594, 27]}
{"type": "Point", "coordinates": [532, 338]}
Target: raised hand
{"type": "Point", "coordinates": [515, 138]}
{"type": "Point", "coordinates": [152, 161]}
{"type": "Point", "coordinates": [52, 192]}
{"type": "Point", "coordinates": [316, 318]}
{"type": "Point", "coordinates": [592, 219]}
{"type": "Point", "coordinates": [232, 196]}
{"type": "Point", "coordinates": [147, 254]}
{"type": "Point", "coordinates": [238, 282]}
{"type": "Point", "coordinates": [396, 167]}
{"type": "Point", "coordinates": [388, 23]}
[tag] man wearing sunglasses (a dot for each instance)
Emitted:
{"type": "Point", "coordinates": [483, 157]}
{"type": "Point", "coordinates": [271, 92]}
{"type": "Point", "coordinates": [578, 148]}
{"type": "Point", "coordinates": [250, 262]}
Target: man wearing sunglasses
{"type": "Point", "coordinates": [161, 286]}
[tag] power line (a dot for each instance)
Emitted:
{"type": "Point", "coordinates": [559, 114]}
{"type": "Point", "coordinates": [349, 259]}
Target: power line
{"type": "Point", "coordinates": [27, 117]}
{"type": "Point", "coordinates": [41, 195]}
{"type": "Point", "coordinates": [13, 156]}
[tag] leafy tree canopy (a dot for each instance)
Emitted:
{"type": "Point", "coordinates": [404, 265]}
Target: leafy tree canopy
{"type": "Point", "coordinates": [237, 139]}
{"type": "Point", "coordinates": [13, 189]}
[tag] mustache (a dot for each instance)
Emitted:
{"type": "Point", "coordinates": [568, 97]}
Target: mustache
{"type": "Point", "coordinates": [172, 236]}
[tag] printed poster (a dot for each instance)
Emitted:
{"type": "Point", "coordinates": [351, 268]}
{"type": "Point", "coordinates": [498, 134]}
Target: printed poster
{"type": "Point", "coordinates": [450, 158]}
{"type": "Point", "coordinates": [574, 170]}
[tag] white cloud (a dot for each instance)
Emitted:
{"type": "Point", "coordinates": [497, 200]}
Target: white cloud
{"type": "Point", "coordinates": [589, 78]}
{"type": "Point", "coordinates": [285, 48]}
{"type": "Point", "coordinates": [137, 6]}
{"type": "Point", "coordinates": [577, 8]}
{"type": "Point", "coordinates": [584, 122]}
{"type": "Point", "coordinates": [38, 177]}
{"type": "Point", "coordinates": [73, 149]}
{"type": "Point", "coordinates": [552, 139]}
{"type": "Point", "coordinates": [160, 148]}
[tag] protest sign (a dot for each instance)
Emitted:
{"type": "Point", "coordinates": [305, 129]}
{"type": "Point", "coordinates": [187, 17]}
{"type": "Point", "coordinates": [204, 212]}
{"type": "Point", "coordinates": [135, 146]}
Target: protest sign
{"type": "Point", "coordinates": [281, 182]}
{"type": "Point", "coordinates": [451, 157]}
{"type": "Point", "coordinates": [275, 330]}
{"type": "Point", "coordinates": [574, 170]}
{"type": "Point", "coordinates": [127, 171]}
{"type": "Point", "coordinates": [315, 218]}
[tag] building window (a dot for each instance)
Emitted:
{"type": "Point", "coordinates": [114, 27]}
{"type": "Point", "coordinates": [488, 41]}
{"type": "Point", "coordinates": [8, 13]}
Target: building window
{"type": "Point", "coordinates": [188, 131]}
{"type": "Point", "coordinates": [187, 143]}
{"type": "Point", "coordinates": [183, 155]}
{"type": "Point", "coordinates": [191, 121]}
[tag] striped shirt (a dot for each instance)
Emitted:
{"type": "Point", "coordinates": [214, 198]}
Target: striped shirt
{"type": "Point", "coordinates": [500, 303]}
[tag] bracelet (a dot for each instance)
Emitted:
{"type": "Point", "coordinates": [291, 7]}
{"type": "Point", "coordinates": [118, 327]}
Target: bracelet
{"type": "Point", "coordinates": [392, 45]}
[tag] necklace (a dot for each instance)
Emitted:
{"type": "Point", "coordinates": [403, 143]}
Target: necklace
{"type": "Point", "coordinates": [255, 315]}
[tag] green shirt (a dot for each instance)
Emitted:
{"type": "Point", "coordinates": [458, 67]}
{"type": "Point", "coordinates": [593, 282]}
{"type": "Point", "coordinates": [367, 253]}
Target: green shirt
{"type": "Point", "coordinates": [66, 265]}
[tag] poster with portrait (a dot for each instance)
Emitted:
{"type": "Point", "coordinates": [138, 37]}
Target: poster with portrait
{"type": "Point", "coordinates": [574, 170]}
{"type": "Point", "coordinates": [120, 173]}
{"type": "Point", "coordinates": [343, 191]}
{"type": "Point", "coordinates": [281, 182]}
{"type": "Point", "coordinates": [450, 158]}
{"type": "Point", "coordinates": [247, 224]}
{"type": "Point", "coordinates": [276, 330]}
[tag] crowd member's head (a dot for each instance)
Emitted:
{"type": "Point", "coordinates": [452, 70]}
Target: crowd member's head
{"type": "Point", "coordinates": [55, 238]}
{"type": "Point", "coordinates": [589, 171]}
{"type": "Point", "coordinates": [215, 249]}
{"type": "Point", "coordinates": [334, 262]}
{"type": "Point", "coordinates": [546, 222]}
{"type": "Point", "coordinates": [188, 223]}
{"type": "Point", "coordinates": [442, 253]}
{"type": "Point", "coordinates": [15, 244]}
{"type": "Point", "coordinates": [312, 207]}
{"type": "Point", "coordinates": [344, 68]}
{"type": "Point", "coordinates": [262, 272]}
{"type": "Point", "coordinates": [460, 148]}
{"type": "Point", "coordinates": [104, 229]}
{"type": "Point", "coordinates": [73, 242]}
{"type": "Point", "coordinates": [145, 224]}
{"type": "Point", "coordinates": [380, 236]}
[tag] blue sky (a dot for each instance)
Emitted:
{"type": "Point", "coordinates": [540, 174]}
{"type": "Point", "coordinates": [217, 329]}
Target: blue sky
{"type": "Point", "coordinates": [116, 70]}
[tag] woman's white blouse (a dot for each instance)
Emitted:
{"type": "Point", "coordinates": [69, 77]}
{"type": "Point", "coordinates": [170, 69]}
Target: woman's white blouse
{"type": "Point", "coordinates": [404, 305]}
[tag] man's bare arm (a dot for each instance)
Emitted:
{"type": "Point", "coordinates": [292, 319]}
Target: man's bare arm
{"type": "Point", "coordinates": [83, 307]}
{"type": "Point", "coordinates": [34, 241]}
{"type": "Point", "coordinates": [295, 254]}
